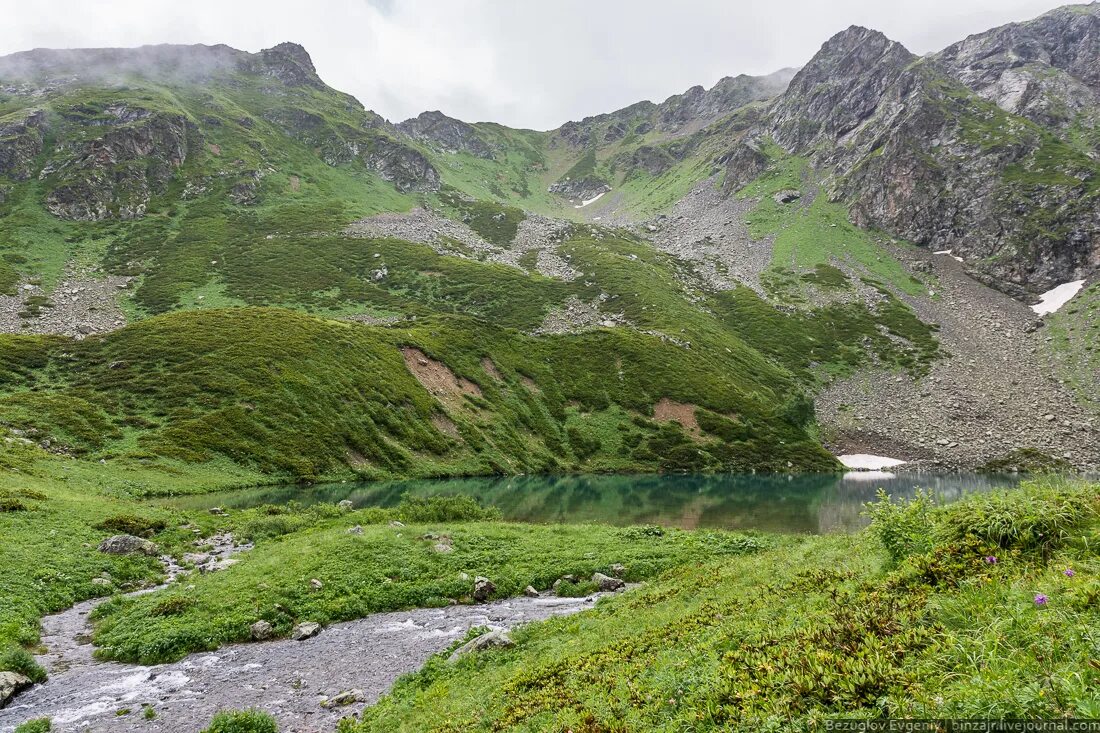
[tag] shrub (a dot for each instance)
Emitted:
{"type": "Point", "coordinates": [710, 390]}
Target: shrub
{"type": "Point", "coordinates": [903, 527]}
{"type": "Point", "coordinates": [1037, 517]}
{"type": "Point", "coordinates": [415, 509]}
{"type": "Point", "coordinates": [41, 725]}
{"type": "Point", "coordinates": [17, 659]}
{"type": "Point", "coordinates": [132, 524]}
{"type": "Point", "coordinates": [242, 721]}
{"type": "Point", "coordinates": [9, 504]}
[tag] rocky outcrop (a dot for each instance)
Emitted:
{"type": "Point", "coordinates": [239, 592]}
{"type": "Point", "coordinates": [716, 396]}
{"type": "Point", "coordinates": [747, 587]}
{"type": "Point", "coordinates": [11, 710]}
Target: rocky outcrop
{"type": "Point", "coordinates": [403, 166]}
{"type": "Point", "coordinates": [580, 189]}
{"type": "Point", "coordinates": [440, 131]}
{"type": "Point", "coordinates": [115, 174]}
{"type": "Point", "coordinates": [288, 62]}
{"type": "Point", "coordinates": [21, 142]}
{"type": "Point", "coordinates": [743, 164]}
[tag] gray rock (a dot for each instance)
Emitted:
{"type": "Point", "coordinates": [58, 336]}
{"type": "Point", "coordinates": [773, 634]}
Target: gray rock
{"type": "Point", "coordinates": [316, 584]}
{"type": "Point", "coordinates": [483, 589]}
{"type": "Point", "coordinates": [606, 583]}
{"type": "Point", "coordinates": [305, 630]}
{"type": "Point", "coordinates": [343, 699]}
{"type": "Point", "coordinates": [530, 592]}
{"type": "Point", "coordinates": [356, 530]}
{"type": "Point", "coordinates": [491, 639]}
{"type": "Point", "coordinates": [346, 505]}
{"type": "Point", "coordinates": [786, 196]}
{"type": "Point", "coordinates": [125, 544]}
{"type": "Point", "coordinates": [617, 570]}
{"type": "Point", "coordinates": [11, 684]}
{"type": "Point", "coordinates": [261, 631]}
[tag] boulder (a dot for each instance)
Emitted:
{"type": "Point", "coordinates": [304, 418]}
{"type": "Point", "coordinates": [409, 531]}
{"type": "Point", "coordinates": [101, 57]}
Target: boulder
{"type": "Point", "coordinates": [530, 592]}
{"type": "Point", "coordinates": [11, 684]}
{"type": "Point", "coordinates": [356, 530]}
{"type": "Point", "coordinates": [305, 630]}
{"type": "Point", "coordinates": [316, 584]}
{"type": "Point", "coordinates": [498, 638]}
{"type": "Point", "coordinates": [346, 505]}
{"type": "Point", "coordinates": [786, 196]}
{"type": "Point", "coordinates": [606, 583]}
{"type": "Point", "coordinates": [343, 699]}
{"type": "Point", "coordinates": [483, 589]}
{"type": "Point", "coordinates": [127, 544]}
{"type": "Point", "coordinates": [261, 631]}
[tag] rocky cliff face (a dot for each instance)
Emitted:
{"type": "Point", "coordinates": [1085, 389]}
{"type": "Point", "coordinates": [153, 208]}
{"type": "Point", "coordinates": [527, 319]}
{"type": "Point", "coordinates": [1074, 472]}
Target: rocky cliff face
{"type": "Point", "coordinates": [917, 154]}
{"type": "Point", "coordinates": [1046, 69]}
{"type": "Point", "coordinates": [115, 174]}
{"type": "Point", "coordinates": [446, 133]}
{"type": "Point", "coordinates": [21, 137]}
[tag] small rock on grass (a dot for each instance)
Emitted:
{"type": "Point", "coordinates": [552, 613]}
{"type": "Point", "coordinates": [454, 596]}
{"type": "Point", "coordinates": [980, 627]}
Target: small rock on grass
{"type": "Point", "coordinates": [305, 630]}
{"type": "Point", "coordinates": [261, 631]}
{"type": "Point", "coordinates": [126, 544]}
{"type": "Point", "coordinates": [483, 589]}
{"type": "Point", "coordinates": [530, 592]}
{"type": "Point", "coordinates": [316, 584]}
{"type": "Point", "coordinates": [498, 638]}
{"type": "Point", "coordinates": [606, 583]}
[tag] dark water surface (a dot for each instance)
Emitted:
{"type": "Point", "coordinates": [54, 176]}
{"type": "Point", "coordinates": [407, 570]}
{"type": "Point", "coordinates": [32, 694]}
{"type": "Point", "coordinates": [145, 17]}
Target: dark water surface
{"type": "Point", "coordinates": [814, 503]}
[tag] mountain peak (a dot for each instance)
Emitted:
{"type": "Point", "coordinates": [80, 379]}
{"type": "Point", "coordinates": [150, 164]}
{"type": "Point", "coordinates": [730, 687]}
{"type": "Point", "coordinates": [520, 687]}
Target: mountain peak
{"type": "Point", "coordinates": [839, 88]}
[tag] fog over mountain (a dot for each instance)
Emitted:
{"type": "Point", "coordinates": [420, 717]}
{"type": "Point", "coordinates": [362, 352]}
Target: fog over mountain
{"type": "Point", "coordinates": [532, 65]}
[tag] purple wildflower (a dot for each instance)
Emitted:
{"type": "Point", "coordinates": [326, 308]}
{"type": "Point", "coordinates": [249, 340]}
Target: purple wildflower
{"type": "Point", "coordinates": [990, 560]}
{"type": "Point", "coordinates": [1041, 599]}
{"type": "Point", "coordinates": [1068, 572]}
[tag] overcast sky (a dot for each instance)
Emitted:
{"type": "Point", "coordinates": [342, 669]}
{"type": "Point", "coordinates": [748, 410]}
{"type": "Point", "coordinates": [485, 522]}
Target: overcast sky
{"type": "Point", "coordinates": [524, 63]}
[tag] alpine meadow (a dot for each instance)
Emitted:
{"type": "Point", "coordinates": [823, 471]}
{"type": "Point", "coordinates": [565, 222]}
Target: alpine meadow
{"type": "Point", "coordinates": [773, 406]}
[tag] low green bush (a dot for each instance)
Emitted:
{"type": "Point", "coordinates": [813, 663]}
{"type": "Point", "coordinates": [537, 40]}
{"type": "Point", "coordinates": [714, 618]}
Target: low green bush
{"type": "Point", "coordinates": [444, 509]}
{"type": "Point", "coordinates": [902, 526]}
{"type": "Point", "coordinates": [41, 725]}
{"type": "Point", "coordinates": [242, 721]}
{"type": "Point", "coordinates": [17, 659]}
{"type": "Point", "coordinates": [133, 524]}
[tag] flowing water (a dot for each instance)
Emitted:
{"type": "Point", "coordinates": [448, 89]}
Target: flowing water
{"type": "Point", "coordinates": [814, 503]}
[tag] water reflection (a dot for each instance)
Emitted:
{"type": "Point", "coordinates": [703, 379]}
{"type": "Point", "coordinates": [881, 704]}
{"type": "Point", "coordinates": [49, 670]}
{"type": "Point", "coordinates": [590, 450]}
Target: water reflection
{"type": "Point", "coordinates": [778, 503]}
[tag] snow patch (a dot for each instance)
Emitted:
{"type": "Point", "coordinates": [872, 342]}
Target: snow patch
{"type": "Point", "coordinates": [869, 476]}
{"type": "Point", "coordinates": [948, 253]}
{"type": "Point", "coordinates": [868, 462]}
{"type": "Point", "coordinates": [592, 200]}
{"type": "Point", "coordinates": [1055, 298]}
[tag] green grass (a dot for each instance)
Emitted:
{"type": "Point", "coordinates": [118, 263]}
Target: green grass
{"type": "Point", "coordinates": [807, 237]}
{"type": "Point", "coordinates": [383, 569]}
{"type": "Point", "coordinates": [824, 628]}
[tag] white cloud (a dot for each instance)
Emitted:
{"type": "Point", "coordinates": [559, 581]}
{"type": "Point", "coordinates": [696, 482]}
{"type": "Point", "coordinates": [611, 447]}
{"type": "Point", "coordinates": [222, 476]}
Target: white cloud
{"type": "Point", "coordinates": [523, 63]}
